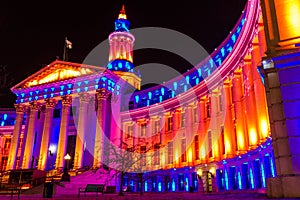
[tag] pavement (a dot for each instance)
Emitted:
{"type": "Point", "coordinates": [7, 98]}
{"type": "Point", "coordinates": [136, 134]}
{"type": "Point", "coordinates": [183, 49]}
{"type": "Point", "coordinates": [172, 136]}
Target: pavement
{"type": "Point", "coordinates": [148, 196]}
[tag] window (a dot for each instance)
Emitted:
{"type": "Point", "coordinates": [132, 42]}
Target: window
{"type": "Point", "coordinates": [222, 141]}
{"type": "Point", "coordinates": [7, 143]}
{"type": "Point", "coordinates": [209, 138]}
{"type": "Point", "coordinates": [129, 131]}
{"type": "Point", "coordinates": [183, 150]}
{"type": "Point", "coordinates": [170, 153]}
{"type": "Point", "coordinates": [156, 155]}
{"type": "Point", "coordinates": [143, 129]}
{"type": "Point", "coordinates": [39, 114]}
{"type": "Point", "coordinates": [196, 143]}
{"type": "Point", "coordinates": [182, 121]}
{"type": "Point", "coordinates": [207, 109]}
{"type": "Point", "coordinates": [56, 113]}
{"type": "Point", "coordinates": [220, 103]}
{"type": "Point", "coordinates": [195, 114]}
{"type": "Point", "coordinates": [156, 126]}
{"type": "Point", "coordinates": [170, 124]}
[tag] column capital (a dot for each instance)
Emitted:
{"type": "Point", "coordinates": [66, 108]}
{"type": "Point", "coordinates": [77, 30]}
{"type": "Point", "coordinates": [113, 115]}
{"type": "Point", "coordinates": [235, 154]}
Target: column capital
{"type": "Point", "coordinates": [51, 103]}
{"type": "Point", "coordinates": [66, 100]}
{"type": "Point", "coordinates": [84, 97]}
{"type": "Point", "coordinates": [20, 108]}
{"type": "Point", "coordinates": [34, 105]}
{"type": "Point", "coordinates": [103, 94]}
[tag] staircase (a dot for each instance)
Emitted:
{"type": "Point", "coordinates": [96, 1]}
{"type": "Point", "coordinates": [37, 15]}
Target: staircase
{"type": "Point", "coordinates": [80, 181]}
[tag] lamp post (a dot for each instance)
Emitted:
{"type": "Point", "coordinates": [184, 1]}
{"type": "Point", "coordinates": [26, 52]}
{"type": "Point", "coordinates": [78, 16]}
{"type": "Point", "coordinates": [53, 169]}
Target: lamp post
{"type": "Point", "coordinates": [66, 176]}
{"type": "Point", "coordinates": [51, 153]}
{"type": "Point", "coordinates": [67, 158]}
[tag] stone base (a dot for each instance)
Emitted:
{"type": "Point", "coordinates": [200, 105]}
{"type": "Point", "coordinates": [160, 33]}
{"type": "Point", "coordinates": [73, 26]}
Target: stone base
{"type": "Point", "coordinates": [283, 187]}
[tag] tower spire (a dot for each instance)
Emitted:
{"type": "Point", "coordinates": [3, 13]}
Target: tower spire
{"type": "Point", "coordinates": [122, 14]}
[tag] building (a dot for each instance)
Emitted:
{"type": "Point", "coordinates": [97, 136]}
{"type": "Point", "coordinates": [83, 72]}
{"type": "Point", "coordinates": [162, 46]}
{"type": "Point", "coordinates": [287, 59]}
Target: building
{"type": "Point", "coordinates": [208, 138]}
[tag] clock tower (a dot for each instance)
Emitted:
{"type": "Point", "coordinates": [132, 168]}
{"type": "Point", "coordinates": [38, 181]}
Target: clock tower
{"type": "Point", "coordinates": [120, 54]}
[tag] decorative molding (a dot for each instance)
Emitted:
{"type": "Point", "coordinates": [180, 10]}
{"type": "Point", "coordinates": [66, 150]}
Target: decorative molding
{"type": "Point", "coordinates": [66, 100]}
{"type": "Point", "coordinates": [34, 105]}
{"type": "Point", "coordinates": [84, 97]}
{"type": "Point", "coordinates": [103, 94]}
{"type": "Point", "coordinates": [20, 108]}
{"type": "Point", "coordinates": [51, 103]}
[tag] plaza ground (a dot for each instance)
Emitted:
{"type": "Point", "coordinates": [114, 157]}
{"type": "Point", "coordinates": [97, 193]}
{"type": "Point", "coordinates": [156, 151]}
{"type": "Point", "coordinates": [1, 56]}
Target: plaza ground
{"type": "Point", "coordinates": [148, 196]}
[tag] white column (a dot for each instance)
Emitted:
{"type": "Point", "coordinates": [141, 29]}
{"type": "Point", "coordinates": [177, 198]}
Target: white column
{"type": "Point", "coordinates": [11, 164]}
{"type": "Point", "coordinates": [102, 96]}
{"type": "Point", "coordinates": [50, 105]}
{"type": "Point", "coordinates": [80, 138]}
{"type": "Point", "coordinates": [27, 160]}
{"type": "Point", "coordinates": [63, 133]}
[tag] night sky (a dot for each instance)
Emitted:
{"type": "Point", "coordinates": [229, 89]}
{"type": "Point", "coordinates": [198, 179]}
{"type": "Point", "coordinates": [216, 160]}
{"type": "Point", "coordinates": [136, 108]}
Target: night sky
{"type": "Point", "coordinates": [32, 35]}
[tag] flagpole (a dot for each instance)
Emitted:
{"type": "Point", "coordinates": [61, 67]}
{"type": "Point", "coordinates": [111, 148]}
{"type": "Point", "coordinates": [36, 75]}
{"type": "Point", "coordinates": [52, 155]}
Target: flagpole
{"type": "Point", "coordinates": [65, 50]}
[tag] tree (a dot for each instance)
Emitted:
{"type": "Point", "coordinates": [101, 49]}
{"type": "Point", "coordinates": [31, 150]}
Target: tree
{"type": "Point", "coordinates": [127, 160]}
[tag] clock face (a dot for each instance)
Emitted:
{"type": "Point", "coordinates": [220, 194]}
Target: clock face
{"type": "Point", "coordinates": [122, 25]}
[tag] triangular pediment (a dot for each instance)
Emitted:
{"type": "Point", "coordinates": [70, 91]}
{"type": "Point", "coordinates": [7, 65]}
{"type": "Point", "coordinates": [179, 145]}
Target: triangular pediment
{"type": "Point", "coordinates": [58, 71]}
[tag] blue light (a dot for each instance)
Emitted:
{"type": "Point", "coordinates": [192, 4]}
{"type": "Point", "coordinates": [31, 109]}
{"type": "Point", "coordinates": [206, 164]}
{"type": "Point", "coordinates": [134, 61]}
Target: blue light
{"type": "Point", "coordinates": [78, 90]}
{"type": "Point", "coordinates": [96, 87]}
{"type": "Point", "coordinates": [120, 65]}
{"type": "Point", "coordinates": [136, 98]}
{"type": "Point", "coordinates": [272, 167]}
{"type": "Point", "coordinates": [30, 98]}
{"type": "Point", "coordinates": [61, 93]}
{"type": "Point", "coordinates": [146, 186]}
{"type": "Point", "coordinates": [240, 180]}
{"type": "Point", "coordinates": [2, 123]}
{"type": "Point", "coordinates": [52, 89]}
{"type": "Point", "coordinates": [160, 98]}
{"type": "Point", "coordinates": [78, 84]}
{"type": "Point", "coordinates": [36, 97]}
{"type": "Point", "coordinates": [45, 96]}
{"type": "Point", "coordinates": [149, 95]}
{"type": "Point", "coordinates": [159, 186]}
{"type": "Point", "coordinates": [233, 37]}
{"type": "Point", "coordinates": [69, 85]}
{"type": "Point", "coordinates": [22, 95]}
{"type": "Point", "coordinates": [122, 25]}
{"type": "Point", "coordinates": [30, 93]}
{"type": "Point", "coordinates": [162, 91]}
{"type": "Point", "coordinates": [187, 79]}
{"type": "Point", "coordinates": [251, 179]}
{"type": "Point", "coordinates": [4, 116]}
{"type": "Point", "coordinates": [52, 95]}
{"type": "Point", "coordinates": [69, 92]}
{"type": "Point", "coordinates": [223, 52]}
{"type": "Point", "coordinates": [185, 88]}
{"type": "Point", "coordinates": [175, 85]}
{"type": "Point", "coordinates": [197, 81]}
{"type": "Point", "coordinates": [37, 91]}
{"type": "Point", "coordinates": [46, 90]}
{"type": "Point", "coordinates": [86, 89]}
{"type": "Point", "coordinates": [263, 175]}
{"type": "Point", "coordinates": [173, 185]}
{"type": "Point", "coordinates": [187, 184]}
{"type": "Point", "coordinates": [62, 87]}
{"type": "Point", "coordinates": [226, 179]}
{"type": "Point", "coordinates": [86, 82]}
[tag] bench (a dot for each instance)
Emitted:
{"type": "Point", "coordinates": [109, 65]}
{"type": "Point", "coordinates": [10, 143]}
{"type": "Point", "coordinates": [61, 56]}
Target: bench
{"type": "Point", "coordinates": [91, 188]}
{"type": "Point", "coordinates": [11, 190]}
{"type": "Point", "coordinates": [110, 189]}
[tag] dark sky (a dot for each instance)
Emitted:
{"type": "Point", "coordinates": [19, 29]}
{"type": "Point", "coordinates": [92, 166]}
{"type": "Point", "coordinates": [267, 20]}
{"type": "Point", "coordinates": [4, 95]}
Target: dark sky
{"type": "Point", "coordinates": [32, 34]}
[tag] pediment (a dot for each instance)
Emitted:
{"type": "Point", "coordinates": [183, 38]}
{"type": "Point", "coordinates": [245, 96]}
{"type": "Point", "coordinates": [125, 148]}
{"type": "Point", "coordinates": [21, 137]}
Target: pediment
{"type": "Point", "coordinates": [57, 71]}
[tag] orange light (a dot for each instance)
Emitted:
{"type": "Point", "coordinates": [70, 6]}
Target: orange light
{"type": "Point", "coordinates": [122, 14]}
{"type": "Point", "coordinates": [253, 136]}
{"type": "Point", "coordinates": [264, 128]}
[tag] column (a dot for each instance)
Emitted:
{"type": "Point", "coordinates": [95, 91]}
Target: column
{"type": "Point", "coordinates": [162, 124]}
{"type": "Point", "coordinates": [260, 95]}
{"type": "Point", "coordinates": [50, 105]}
{"type": "Point", "coordinates": [63, 132]}
{"type": "Point", "coordinates": [239, 110]}
{"type": "Point", "coordinates": [253, 135]}
{"type": "Point", "coordinates": [229, 137]}
{"type": "Point", "coordinates": [101, 135]}
{"type": "Point", "coordinates": [11, 164]}
{"type": "Point", "coordinates": [27, 160]}
{"type": "Point", "coordinates": [22, 157]}
{"type": "Point", "coordinates": [80, 138]}
{"type": "Point", "coordinates": [202, 131]}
